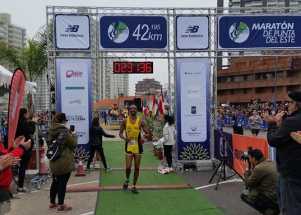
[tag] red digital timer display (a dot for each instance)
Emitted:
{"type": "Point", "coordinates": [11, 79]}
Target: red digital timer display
{"type": "Point", "coordinates": [124, 67]}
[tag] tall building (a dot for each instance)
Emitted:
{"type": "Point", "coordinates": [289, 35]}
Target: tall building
{"type": "Point", "coordinates": [266, 78]}
{"type": "Point", "coordinates": [11, 34]}
{"type": "Point", "coordinates": [113, 85]}
{"type": "Point", "coordinates": [148, 87]}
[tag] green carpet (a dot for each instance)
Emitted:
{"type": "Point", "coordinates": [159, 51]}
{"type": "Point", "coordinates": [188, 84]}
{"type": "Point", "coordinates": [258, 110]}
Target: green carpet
{"type": "Point", "coordinates": [145, 178]}
{"type": "Point", "coordinates": [147, 202]}
{"type": "Point", "coordinates": [114, 151]}
{"type": "Point", "coordinates": [163, 202]}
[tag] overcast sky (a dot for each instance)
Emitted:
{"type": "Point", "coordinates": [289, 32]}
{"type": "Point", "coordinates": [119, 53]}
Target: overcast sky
{"type": "Point", "coordinates": [31, 14]}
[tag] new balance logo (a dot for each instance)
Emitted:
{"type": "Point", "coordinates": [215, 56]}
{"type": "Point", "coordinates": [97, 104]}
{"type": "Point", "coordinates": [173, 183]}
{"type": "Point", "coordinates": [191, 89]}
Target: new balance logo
{"type": "Point", "coordinates": [192, 29]}
{"type": "Point", "coordinates": [72, 28]}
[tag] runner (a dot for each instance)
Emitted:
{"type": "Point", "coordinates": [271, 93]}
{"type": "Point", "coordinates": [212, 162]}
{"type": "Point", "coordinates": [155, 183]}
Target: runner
{"type": "Point", "coordinates": [132, 126]}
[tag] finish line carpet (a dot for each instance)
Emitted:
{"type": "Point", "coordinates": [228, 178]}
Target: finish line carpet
{"type": "Point", "coordinates": [159, 194]}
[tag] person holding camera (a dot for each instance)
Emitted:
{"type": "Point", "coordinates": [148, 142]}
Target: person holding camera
{"type": "Point", "coordinates": [61, 166]}
{"type": "Point", "coordinates": [261, 183]}
{"type": "Point", "coordinates": [288, 154]}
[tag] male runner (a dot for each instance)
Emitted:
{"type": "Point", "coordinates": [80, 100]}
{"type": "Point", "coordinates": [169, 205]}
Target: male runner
{"type": "Point", "coordinates": [132, 126]}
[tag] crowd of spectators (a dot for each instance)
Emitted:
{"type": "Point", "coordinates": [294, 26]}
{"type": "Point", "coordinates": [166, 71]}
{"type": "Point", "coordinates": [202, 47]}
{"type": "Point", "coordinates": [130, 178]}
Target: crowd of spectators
{"type": "Point", "coordinates": [241, 116]}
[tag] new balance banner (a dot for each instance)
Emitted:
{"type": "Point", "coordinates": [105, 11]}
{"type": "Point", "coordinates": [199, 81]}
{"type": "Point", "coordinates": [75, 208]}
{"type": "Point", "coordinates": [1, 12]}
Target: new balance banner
{"type": "Point", "coordinates": [192, 32]}
{"type": "Point", "coordinates": [16, 97]}
{"type": "Point", "coordinates": [72, 31]}
{"type": "Point", "coordinates": [245, 32]}
{"type": "Point", "coordinates": [73, 94]}
{"type": "Point", "coordinates": [193, 95]}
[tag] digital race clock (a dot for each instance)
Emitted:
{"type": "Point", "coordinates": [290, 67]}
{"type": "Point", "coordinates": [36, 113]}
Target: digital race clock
{"type": "Point", "coordinates": [125, 67]}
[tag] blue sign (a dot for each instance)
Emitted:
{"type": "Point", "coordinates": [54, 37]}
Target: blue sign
{"type": "Point", "coordinates": [133, 32]}
{"type": "Point", "coordinates": [193, 109]}
{"type": "Point", "coordinates": [267, 32]}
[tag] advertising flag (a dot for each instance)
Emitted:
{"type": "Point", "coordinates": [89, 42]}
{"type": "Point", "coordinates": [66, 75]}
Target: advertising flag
{"type": "Point", "coordinates": [16, 96]}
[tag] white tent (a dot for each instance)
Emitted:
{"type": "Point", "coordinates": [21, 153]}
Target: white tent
{"type": "Point", "coordinates": [5, 78]}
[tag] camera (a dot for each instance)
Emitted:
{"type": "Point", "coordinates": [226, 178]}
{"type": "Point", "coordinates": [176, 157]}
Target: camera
{"type": "Point", "coordinates": [245, 155]}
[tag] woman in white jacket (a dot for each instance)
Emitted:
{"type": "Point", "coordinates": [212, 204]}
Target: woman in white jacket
{"type": "Point", "coordinates": [168, 139]}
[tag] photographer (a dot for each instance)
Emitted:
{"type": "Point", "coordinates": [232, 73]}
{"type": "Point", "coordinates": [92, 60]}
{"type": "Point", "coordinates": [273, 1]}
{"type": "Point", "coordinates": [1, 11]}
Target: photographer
{"type": "Point", "coordinates": [288, 153]}
{"type": "Point", "coordinates": [261, 181]}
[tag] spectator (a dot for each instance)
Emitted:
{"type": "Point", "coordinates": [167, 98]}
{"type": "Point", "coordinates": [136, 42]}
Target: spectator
{"type": "Point", "coordinates": [255, 122]}
{"type": "Point", "coordinates": [168, 139]}
{"type": "Point", "coordinates": [96, 134]}
{"type": "Point", "coordinates": [62, 167]}
{"type": "Point", "coordinates": [261, 181]}
{"type": "Point", "coordinates": [9, 158]}
{"type": "Point", "coordinates": [237, 125]}
{"type": "Point", "coordinates": [105, 117]}
{"type": "Point", "coordinates": [25, 128]}
{"type": "Point", "coordinates": [288, 153]}
{"type": "Point", "coordinates": [4, 132]}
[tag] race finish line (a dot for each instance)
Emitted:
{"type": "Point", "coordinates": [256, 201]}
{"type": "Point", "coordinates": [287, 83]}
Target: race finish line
{"type": "Point", "coordinates": [129, 40]}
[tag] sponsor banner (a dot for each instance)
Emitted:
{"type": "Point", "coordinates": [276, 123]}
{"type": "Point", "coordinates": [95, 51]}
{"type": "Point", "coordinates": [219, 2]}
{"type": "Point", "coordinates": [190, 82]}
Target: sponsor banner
{"type": "Point", "coordinates": [241, 144]}
{"type": "Point", "coordinates": [72, 31]}
{"type": "Point", "coordinates": [223, 148]}
{"type": "Point", "coordinates": [193, 124]}
{"type": "Point", "coordinates": [245, 32]}
{"type": "Point", "coordinates": [133, 32]}
{"type": "Point", "coordinates": [192, 32]}
{"type": "Point", "coordinates": [73, 95]}
{"type": "Point", "coordinates": [16, 97]}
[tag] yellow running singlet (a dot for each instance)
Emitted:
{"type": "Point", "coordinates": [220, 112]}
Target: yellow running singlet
{"type": "Point", "coordinates": [132, 132]}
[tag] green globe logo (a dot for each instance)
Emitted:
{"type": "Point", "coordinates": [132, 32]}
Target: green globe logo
{"type": "Point", "coordinates": [118, 32]}
{"type": "Point", "coordinates": [239, 32]}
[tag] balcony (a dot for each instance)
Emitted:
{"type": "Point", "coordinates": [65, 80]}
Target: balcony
{"type": "Point", "coordinates": [244, 98]}
{"type": "Point", "coordinates": [259, 83]}
{"type": "Point", "coordinates": [257, 65]}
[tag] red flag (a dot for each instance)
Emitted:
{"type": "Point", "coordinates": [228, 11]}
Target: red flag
{"type": "Point", "coordinates": [16, 96]}
{"type": "Point", "coordinates": [154, 107]}
{"type": "Point", "coordinates": [161, 103]}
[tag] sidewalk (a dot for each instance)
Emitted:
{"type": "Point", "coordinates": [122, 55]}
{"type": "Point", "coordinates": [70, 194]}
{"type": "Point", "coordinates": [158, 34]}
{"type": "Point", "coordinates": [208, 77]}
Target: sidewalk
{"type": "Point", "coordinates": [36, 202]}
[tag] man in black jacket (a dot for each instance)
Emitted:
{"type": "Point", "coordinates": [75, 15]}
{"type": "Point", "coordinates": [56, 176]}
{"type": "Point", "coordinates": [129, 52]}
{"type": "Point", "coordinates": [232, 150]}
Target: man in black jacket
{"type": "Point", "coordinates": [96, 133]}
{"type": "Point", "coordinates": [288, 154]}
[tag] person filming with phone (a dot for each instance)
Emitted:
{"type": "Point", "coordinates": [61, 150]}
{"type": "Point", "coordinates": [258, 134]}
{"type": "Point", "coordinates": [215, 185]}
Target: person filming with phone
{"type": "Point", "coordinates": [261, 183]}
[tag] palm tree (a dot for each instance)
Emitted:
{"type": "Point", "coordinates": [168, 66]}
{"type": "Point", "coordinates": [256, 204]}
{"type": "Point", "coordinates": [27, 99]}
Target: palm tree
{"type": "Point", "coordinates": [34, 59]}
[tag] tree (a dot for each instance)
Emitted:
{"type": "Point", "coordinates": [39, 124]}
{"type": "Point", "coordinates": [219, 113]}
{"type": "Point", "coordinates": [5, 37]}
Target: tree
{"type": "Point", "coordinates": [32, 58]}
{"type": "Point", "coordinates": [9, 55]}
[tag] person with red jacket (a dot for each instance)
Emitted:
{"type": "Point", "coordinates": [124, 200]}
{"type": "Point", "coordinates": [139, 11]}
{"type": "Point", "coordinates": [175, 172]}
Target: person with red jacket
{"type": "Point", "coordinates": [11, 157]}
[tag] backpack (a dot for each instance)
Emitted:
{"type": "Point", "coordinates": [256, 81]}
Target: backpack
{"type": "Point", "coordinates": [55, 148]}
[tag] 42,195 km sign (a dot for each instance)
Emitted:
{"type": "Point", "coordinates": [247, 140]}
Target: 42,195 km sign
{"type": "Point", "coordinates": [133, 32]}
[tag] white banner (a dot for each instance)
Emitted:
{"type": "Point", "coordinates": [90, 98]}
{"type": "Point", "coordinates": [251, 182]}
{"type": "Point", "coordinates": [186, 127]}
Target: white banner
{"type": "Point", "coordinates": [193, 93]}
{"type": "Point", "coordinates": [72, 31]}
{"type": "Point", "coordinates": [73, 91]}
{"type": "Point", "coordinates": [192, 32]}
